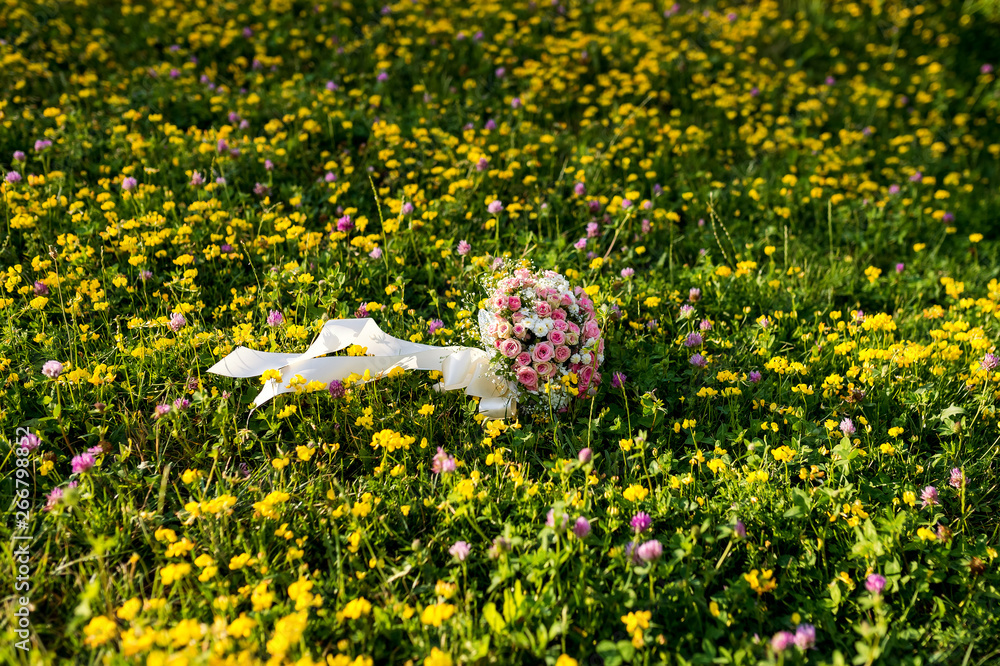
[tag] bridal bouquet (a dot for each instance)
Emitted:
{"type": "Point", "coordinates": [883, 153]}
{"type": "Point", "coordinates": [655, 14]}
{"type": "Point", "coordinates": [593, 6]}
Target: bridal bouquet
{"type": "Point", "coordinates": [541, 350]}
{"type": "Point", "coordinates": [543, 337]}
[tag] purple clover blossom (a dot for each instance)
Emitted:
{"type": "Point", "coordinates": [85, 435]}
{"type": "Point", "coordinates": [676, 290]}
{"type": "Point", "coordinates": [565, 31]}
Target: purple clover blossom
{"type": "Point", "coordinates": [593, 229]}
{"type": "Point", "coordinates": [805, 636]}
{"type": "Point", "coordinates": [830, 81]}
{"type": "Point", "coordinates": [929, 496]}
{"type": "Point", "coordinates": [900, 267]}
{"type": "Point", "coordinates": [515, 103]}
{"type": "Point", "coordinates": [177, 322]}
{"type": "Point", "coordinates": [268, 165]}
{"type": "Point", "coordinates": [581, 528]}
{"type": "Point", "coordinates": [483, 164]}
{"type": "Point", "coordinates": [434, 325]}
{"type": "Point", "coordinates": [495, 207]}
{"type": "Point", "coordinates": [705, 325]}
{"type": "Point", "coordinates": [618, 380]}
{"type": "Point", "coordinates": [82, 462]}
{"type": "Point", "coordinates": [699, 361]}
{"type": "Point", "coordinates": [42, 144]}
{"type": "Point", "coordinates": [594, 206]}
{"type": "Point", "coordinates": [197, 179]}
{"type": "Point", "coordinates": [740, 529]}
{"type": "Point", "coordinates": [460, 550]}
{"type": "Point", "coordinates": [161, 411]}
{"type": "Point", "coordinates": [628, 272]}
{"type": "Point", "coordinates": [641, 522]}
{"type": "Point", "coordinates": [875, 583]}
{"type": "Point", "coordinates": [650, 551]}
{"type": "Point", "coordinates": [694, 294]}
{"type": "Point", "coordinates": [693, 340]}
{"type": "Point", "coordinates": [917, 177]}
{"type": "Point", "coordinates": [52, 369]}
{"type": "Point", "coordinates": [584, 455]}
{"type": "Point", "coordinates": [987, 68]}
{"type": "Point", "coordinates": [782, 641]}
{"type": "Point", "coordinates": [30, 442]}
{"type": "Point", "coordinates": [12, 177]}
{"type": "Point", "coordinates": [580, 189]}
{"type": "Point", "coordinates": [376, 253]}
{"type": "Point", "coordinates": [345, 224]}
{"type": "Point", "coordinates": [464, 248]}
{"type": "Point", "coordinates": [19, 156]}
{"type": "Point", "coordinates": [948, 217]}
{"type": "Point", "coordinates": [894, 189]}
{"type": "Point", "coordinates": [275, 318]}
{"type": "Point", "coordinates": [336, 389]}
{"type": "Point", "coordinates": [442, 463]}
{"type": "Point", "coordinates": [990, 362]}
{"type": "Point", "coordinates": [847, 427]}
{"type": "Point", "coordinates": [56, 495]}
{"type": "Point", "coordinates": [957, 478]}
{"type": "Point", "coordinates": [626, 204]}
{"type": "Point", "coordinates": [490, 125]}
{"type": "Point", "coordinates": [406, 208]}
{"type": "Point", "coordinates": [383, 76]}
{"type": "Point", "coordinates": [180, 404]}
{"type": "Point", "coordinates": [754, 376]}
{"type": "Point", "coordinates": [580, 244]}
{"type": "Point", "coordinates": [686, 311]}
{"type": "Point", "coordinates": [550, 520]}
{"type": "Point", "coordinates": [129, 184]}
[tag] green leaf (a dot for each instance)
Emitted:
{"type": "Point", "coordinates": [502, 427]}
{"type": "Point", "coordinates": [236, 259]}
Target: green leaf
{"type": "Point", "coordinates": [608, 651]}
{"type": "Point", "coordinates": [801, 504]}
{"type": "Point", "coordinates": [626, 650]}
{"type": "Point", "coordinates": [493, 618]}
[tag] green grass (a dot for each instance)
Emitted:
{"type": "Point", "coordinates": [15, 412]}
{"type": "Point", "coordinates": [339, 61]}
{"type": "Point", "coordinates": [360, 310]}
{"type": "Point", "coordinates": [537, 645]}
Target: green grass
{"type": "Point", "coordinates": [798, 163]}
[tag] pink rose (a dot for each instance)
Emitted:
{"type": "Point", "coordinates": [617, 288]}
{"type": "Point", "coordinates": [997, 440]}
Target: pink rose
{"type": "Point", "coordinates": [543, 309]}
{"type": "Point", "coordinates": [559, 314]}
{"type": "Point", "coordinates": [591, 329]}
{"type": "Point", "coordinates": [557, 337]}
{"type": "Point", "coordinates": [520, 331]}
{"type": "Point", "coordinates": [514, 303]}
{"type": "Point", "coordinates": [597, 378]}
{"type": "Point", "coordinates": [560, 325]}
{"type": "Point", "coordinates": [524, 358]}
{"type": "Point", "coordinates": [573, 328]}
{"type": "Point", "coordinates": [545, 370]}
{"type": "Point", "coordinates": [528, 378]}
{"type": "Point", "coordinates": [516, 317]}
{"type": "Point", "coordinates": [586, 373]}
{"type": "Point", "coordinates": [600, 346]}
{"type": "Point", "coordinates": [543, 352]}
{"type": "Point", "coordinates": [496, 343]}
{"type": "Point", "coordinates": [492, 329]}
{"type": "Point", "coordinates": [563, 353]}
{"type": "Point", "coordinates": [572, 338]}
{"type": "Point", "coordinates": [567, 300]}
{"type": "Point", "coordinates": [510, 348]}
{"type": "Point", "coordinates": [503, 328]}
{"type": "Point", "coordinates": [500, 302]}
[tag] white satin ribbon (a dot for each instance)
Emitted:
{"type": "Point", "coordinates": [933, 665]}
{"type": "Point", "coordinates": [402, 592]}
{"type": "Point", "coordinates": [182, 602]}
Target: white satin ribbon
{"type": "Point", "coordinates": [461, 367]}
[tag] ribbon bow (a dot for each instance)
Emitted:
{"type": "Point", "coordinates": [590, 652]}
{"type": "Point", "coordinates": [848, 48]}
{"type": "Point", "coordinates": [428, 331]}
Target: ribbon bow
{"type": "Point", "coordinates": [461, 367]}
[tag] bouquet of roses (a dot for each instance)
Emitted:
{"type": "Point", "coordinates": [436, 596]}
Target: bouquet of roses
{"type": "Point", "coordinates": [543, 337]}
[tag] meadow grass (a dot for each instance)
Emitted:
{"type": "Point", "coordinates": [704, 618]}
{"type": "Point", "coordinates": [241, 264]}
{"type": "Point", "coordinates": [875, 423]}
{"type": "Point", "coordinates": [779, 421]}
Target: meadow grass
{"type": "Point", "coordinates": [785, 212]}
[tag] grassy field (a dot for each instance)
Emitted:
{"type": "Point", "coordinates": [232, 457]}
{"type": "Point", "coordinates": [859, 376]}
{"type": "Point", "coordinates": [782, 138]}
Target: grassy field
{"type": "Point", "coordinates": [785, 213]}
